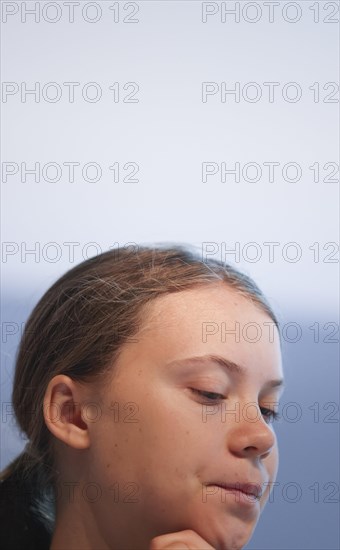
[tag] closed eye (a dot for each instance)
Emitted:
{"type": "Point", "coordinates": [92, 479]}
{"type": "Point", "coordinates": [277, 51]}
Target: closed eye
{"type": "Point", "coordinates": [269, 414]}
{"type": "Point", "coordinates": [272, 415]}
{"type": "Point", "coordinates": [208, 394]}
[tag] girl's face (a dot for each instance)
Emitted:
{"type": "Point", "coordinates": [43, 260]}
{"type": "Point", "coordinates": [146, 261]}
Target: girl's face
{"type": "Point", "coordinates": [160, 448]}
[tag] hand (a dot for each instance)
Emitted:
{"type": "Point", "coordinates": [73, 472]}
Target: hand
{"type": "Point", "coordinates": [182, 540]}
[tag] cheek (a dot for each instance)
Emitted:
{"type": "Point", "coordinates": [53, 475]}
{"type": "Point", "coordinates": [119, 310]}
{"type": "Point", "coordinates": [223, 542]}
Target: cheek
{"type": "Point", "coordinates": [159, 437]}
{"type": "Point", "coordinates": [271, 464]}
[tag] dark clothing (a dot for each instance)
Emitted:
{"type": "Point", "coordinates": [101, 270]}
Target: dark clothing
{"type": "Point", "coordinates": [22, 523]}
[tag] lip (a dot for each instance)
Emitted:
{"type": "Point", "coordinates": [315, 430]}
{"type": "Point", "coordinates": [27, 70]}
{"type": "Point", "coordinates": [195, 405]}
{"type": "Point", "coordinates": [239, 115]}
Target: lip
{"type": "Point", "coordinates": [249, 488]}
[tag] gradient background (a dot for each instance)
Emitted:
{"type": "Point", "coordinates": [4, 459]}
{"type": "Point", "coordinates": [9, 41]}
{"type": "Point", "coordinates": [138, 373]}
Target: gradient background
{"type": "Point", "coordinates": [169, 132]}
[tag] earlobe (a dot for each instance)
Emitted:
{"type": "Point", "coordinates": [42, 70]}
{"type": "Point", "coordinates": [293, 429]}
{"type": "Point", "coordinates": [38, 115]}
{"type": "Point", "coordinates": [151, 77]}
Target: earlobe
{"type": "Point", "coordinates": [63, 412]}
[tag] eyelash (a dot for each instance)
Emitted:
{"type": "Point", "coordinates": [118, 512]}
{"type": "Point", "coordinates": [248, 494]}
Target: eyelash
{"type": "Point", "coordinates": [272, 415]}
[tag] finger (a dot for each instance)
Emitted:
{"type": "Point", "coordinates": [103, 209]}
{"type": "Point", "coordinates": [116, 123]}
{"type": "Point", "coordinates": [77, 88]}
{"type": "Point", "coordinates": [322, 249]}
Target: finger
{"type": "Point", "coordinates": [176, 546]}
{"type": "Point", "coordinates": [182, 540]}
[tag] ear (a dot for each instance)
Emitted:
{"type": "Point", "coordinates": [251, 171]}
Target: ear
{"type": "Point", "coordinates": [63, 412]}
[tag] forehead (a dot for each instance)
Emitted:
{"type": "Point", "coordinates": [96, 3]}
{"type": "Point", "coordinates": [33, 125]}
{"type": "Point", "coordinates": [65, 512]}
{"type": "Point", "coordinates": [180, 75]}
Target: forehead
{"type": "Point", "coordinates": [193, 307]}
{"type": "Point", "coordinates": [212, 319]}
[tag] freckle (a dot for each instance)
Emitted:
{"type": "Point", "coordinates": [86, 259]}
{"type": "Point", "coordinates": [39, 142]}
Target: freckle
{"type": "Point", "coordinates": [116, 445]}
{"type": "Point", "coordinates": [108, 465]}
{"type": "Point", "coordinates": [187, 432]}
{"type": "Point", "coordinates": [139, 429]}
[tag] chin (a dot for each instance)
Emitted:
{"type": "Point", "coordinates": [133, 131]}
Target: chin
{"type": "Point", "coordinates": [233, 539]}
{"type": "Point", "coordinates": [221, 529]}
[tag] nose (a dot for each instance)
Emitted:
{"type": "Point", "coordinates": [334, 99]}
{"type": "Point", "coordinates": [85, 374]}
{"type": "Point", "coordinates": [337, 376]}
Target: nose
{"type": "Point", "coordinates": [251, 436]}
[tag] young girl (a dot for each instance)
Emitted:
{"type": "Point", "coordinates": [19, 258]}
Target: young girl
{"type": "Point", "coordinates": [146, 383]}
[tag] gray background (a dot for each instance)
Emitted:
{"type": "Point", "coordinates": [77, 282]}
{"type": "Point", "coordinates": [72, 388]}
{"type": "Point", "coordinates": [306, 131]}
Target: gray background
{"type": "Point", "coordinates": [168, 133]}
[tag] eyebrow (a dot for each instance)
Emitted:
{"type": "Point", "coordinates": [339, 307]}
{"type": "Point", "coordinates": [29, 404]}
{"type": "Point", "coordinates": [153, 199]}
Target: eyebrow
{"type": "Point", "coordinates": [229, 366]}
